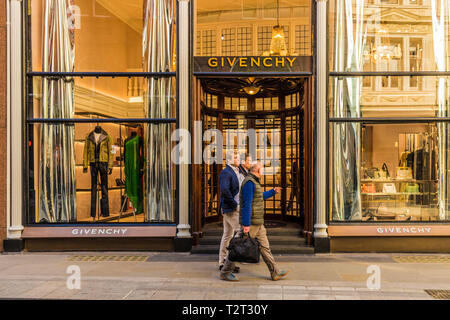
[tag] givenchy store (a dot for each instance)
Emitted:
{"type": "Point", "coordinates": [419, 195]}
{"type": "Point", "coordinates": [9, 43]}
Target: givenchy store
{"type": "Point", "coordinates": [349, 101]}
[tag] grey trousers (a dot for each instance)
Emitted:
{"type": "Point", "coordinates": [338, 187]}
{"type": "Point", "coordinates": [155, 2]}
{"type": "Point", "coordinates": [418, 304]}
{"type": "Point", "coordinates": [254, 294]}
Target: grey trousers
{"type": "Point", "coordinates": [230, 225]}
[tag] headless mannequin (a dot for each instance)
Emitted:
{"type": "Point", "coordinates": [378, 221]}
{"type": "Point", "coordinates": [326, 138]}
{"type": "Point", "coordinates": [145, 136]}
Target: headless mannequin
{"type": "Point", "coordinates": [97, 132]}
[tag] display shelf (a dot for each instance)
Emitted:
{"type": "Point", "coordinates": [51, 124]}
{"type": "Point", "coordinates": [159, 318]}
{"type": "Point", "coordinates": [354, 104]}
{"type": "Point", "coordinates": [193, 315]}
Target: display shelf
{"type": "Point", "coordinates": [396, 193]}
{"type": "Point", "coordinates": [397, 181]}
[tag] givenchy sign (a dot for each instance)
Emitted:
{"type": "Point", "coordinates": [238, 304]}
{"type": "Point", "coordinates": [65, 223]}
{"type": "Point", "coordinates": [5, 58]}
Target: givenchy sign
{"type": "Point", "coordinates": [99, 231]}
{"type": "Point", "coordinates": [253, 64]}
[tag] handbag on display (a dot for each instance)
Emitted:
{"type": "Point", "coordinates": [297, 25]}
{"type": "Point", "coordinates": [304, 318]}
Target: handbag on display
{"type": "Point", "coordinates": [404, 173]}
{"type": "Point", "coordinates": [384, 172]}
{"type": "Point", "coordinates": [412, 188]}
{"type": "Point", "coordinates": [243, 249]}
{"type": "Point", "coordinates": [389, 188]}
{"type": "Point", "coordinates": [368, 188]}
{"type": "Point", "coordinates": [372, 173]}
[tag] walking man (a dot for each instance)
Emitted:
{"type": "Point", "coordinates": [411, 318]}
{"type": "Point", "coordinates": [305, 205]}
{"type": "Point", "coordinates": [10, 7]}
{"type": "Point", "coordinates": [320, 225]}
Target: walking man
{"type": "Point", "coordinates": [230, 180]}
{"type": "Point", "coordinates": [252, 220]}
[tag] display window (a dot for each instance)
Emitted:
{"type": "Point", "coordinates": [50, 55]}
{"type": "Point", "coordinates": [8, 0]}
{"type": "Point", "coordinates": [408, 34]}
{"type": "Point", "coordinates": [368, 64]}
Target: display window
{"type": "Point", "coordinates": [389, 90]}
{"type": "Point", "coordinates": [100, 111]}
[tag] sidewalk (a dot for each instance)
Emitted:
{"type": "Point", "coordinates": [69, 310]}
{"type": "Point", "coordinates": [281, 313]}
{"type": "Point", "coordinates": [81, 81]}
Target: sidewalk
{"type": "Point", "coordinates": [182, 276]}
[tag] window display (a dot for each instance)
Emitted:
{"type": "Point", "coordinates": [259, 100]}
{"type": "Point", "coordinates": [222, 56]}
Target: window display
{"type": "Point", "coordinates": [389, 138]}
{"type": "Point", "coordinates": [100, 143]}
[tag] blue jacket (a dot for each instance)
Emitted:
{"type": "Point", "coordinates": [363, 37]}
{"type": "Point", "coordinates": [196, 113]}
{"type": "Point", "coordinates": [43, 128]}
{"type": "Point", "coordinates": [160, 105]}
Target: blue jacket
{"type": "Point", "coordinates": [229, 188]}
{"type": "Point", "coordinates": [247, 197]}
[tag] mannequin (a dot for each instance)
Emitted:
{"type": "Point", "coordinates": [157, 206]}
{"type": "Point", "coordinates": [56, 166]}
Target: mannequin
{"type": "Point", "coordinates": [134, 168]}
{"type": "Point", "coordinates": [97, 155]}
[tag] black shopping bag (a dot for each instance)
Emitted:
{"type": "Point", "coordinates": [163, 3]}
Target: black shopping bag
{"type": "Point", "coordinates": [243, 249]}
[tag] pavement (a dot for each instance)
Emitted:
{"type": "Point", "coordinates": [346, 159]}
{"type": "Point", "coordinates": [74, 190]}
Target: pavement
{"type": "Point", "coordinates": [182, 276]}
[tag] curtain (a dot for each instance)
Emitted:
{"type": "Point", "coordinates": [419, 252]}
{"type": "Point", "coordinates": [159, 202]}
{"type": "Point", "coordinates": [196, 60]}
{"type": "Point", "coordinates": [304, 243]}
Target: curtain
{"type": "Point", "coordinates": [441, 45]}
{"type": "Point", "coordinates": [57, 169]}
{"type": "Point", "coordinates": [158, 55]}
{"type": "Point", "coordinates": [350, 32]}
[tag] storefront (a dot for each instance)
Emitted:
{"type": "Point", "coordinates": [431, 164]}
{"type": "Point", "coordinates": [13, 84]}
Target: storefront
{"type": "Point", "coordinates": [348, 100]}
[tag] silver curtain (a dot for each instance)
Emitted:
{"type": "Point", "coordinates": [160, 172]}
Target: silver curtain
{"type": "Point", "coordinates": [441, 45]}
{"type": "Point", "coordinates": [158, 52]}
{"type": "Point", "coordinates": [57, 166]}
{"type": "Point", "coordinates": [350, 34]}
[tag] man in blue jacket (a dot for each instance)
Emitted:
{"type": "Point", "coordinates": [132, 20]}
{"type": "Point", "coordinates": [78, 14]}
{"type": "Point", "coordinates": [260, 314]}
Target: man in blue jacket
{"type": "Point", "coordinates": [252, 219]}
{"type": "Point", "coordinates": [230, 180]}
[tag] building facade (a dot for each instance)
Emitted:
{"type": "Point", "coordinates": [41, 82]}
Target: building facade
{"type": "Point", "coordinates": [119, 116]}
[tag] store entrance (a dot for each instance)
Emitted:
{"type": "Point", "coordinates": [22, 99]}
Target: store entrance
{"type": "Point", "coordinates": [274, 109]}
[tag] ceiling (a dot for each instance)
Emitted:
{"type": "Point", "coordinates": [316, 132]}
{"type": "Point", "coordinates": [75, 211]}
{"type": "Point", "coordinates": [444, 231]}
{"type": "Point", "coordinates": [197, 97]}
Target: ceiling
{"type": "Point", "coordinates": [269, 87]}
{"type": "Point", "coordinates": [129, 11]}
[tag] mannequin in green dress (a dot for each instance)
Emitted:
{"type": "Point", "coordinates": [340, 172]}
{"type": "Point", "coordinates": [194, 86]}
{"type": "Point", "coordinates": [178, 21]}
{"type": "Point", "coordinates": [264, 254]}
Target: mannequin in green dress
{"type": "Point", "coordinates": [134, 168]}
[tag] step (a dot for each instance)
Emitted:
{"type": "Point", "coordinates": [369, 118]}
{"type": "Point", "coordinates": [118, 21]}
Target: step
{"type": "Point", "coordinates": [270, 232]}
{"type": "Point", "coordinates": [275, 240]}
{"type": "Point", "coordinates": [276, 249]}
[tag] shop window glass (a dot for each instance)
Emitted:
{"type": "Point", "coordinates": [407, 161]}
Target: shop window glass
{"type": "Point", "coordinates": [88, 161]}
{"type": "Point", "coordinates": [250, 27]}
{"type": "Point", "coordinates": [395, 36]}
{"type": "Point", "coordinates": [391, 172]}
{"type": "Point", "coordinates": [349, 98]}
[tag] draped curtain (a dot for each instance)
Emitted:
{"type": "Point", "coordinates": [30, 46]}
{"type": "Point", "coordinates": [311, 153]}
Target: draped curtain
{"type": "Point", "coordinates": [158, 52]}
{"type": "Point", "coordinates": [441, 45]}
{"type": "Point", "coordinates": [350, 32]}
{"type": "Point", "coordinates": [57, 170]}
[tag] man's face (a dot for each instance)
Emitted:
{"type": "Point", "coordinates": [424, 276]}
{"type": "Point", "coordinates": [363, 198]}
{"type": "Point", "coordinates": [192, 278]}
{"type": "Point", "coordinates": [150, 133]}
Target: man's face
{"type": "Point", "coordinates": [236, 160]}
{"type": "Point", "coordinates": [247, 163]}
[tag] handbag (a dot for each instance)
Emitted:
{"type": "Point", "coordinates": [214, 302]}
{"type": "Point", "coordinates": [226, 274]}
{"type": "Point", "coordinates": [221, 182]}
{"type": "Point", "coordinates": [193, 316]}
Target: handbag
{"type": "Point", "coordinates": [372, 173]}
{"type": "Point", "coordinates": [368, 188]}
{"type": "Point", "coordinates": [243, 249]}
{"type": "Point", "coordinates": [412, 188]}
{"type": "Point", "coordinates": [404, 173]}
{"type": "Point", "coordinates": [384, 172]}
{"type": "Point", "coordinates": [389, 188]}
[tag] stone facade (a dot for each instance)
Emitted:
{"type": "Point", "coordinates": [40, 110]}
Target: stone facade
{"type": "Point", "coordinates": [3, 116]}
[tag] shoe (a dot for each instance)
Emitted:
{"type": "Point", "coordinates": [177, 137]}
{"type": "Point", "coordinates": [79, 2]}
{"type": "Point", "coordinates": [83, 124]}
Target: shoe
{"type": "Point", "coordinates": [228, 277]}
{"type": "Point", "coordinates": [235, 270]}
{"type": "Point", "coordinates": [280, 275]}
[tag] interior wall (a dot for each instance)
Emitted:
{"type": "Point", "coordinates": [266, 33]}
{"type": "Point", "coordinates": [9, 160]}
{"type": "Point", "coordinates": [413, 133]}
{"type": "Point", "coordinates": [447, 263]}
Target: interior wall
{"type": "Point", "coordinates": [385, 141]}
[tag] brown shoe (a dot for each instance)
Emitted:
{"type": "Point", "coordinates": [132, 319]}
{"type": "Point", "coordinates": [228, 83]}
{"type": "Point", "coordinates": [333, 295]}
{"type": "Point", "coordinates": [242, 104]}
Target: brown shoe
{"type": "Point", "coordinates": [235, 270]}
{"type": "Point", "coordinates": [280, 275]}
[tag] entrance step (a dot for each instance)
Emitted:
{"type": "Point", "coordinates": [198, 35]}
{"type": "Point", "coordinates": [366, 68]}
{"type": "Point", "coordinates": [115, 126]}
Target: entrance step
{"type": "Point", "coordinates": [282, 241]}
{"type": "Point", "coordinates": [273, 240]}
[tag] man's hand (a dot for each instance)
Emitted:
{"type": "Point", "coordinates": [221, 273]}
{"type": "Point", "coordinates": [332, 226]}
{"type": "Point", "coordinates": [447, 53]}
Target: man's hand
{"type": "Point", "coordinates": [246, 229]}
{"type": "Point", "coordinates": [278, 189]}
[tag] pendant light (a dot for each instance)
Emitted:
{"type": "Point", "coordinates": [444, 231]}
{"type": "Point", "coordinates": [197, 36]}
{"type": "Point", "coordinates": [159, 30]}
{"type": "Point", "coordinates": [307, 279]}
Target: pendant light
{"type": "Point", "coordinates": [278, 43]}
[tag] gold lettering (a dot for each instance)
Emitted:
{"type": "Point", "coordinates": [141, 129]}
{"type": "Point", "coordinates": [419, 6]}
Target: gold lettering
{"type": "Point", "coordinates": [242, 62]}
{"type": "Point", "coordinates": [278, 61]}
{"type": "Point", "coordinates": [291, 61]}
{"type": "Point", "coordinates": [231, 62]}
{"type": "Point", "coordinates": [255, 62]}
{"type": "Point", "coordinates": [212, 62]}
{"type": "Point", "coordinates": [222, 61]}
{"type": "Point", "coordinates": [265, 64]}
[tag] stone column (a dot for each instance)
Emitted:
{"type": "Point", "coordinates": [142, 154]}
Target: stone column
{"type": "Point", "coordinates": [321, 240]}
{"type": "Point", "coordinates": [183, 241]}
{"type": "Point", "coordinates": [14, 127]}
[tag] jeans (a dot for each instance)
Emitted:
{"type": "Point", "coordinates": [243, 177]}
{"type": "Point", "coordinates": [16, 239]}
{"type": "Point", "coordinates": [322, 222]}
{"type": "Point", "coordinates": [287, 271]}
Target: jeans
{"type": "Point", "coordinates": [102, 169]}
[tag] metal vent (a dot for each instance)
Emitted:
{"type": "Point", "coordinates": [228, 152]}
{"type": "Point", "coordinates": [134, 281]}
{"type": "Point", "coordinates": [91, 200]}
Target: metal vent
{"type": "Point", "coordinates": [108, 258]}
{"type": "Point", "coordinates": [439, 294]}
{"type": "Point", "coordinates": [421, 259]}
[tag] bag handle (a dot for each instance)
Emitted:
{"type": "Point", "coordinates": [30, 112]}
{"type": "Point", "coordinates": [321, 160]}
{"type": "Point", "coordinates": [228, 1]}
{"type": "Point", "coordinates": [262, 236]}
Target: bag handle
{"type": "Point", "coordinates": [385, 168]}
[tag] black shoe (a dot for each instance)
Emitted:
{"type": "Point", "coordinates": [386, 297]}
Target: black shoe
{"type": "Point", "coordinates": [235, 270]}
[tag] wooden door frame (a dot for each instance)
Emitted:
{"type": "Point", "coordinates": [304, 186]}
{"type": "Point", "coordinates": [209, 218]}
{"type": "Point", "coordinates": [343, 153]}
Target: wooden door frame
{"type": "Point", "coordinates": [308, 176]}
